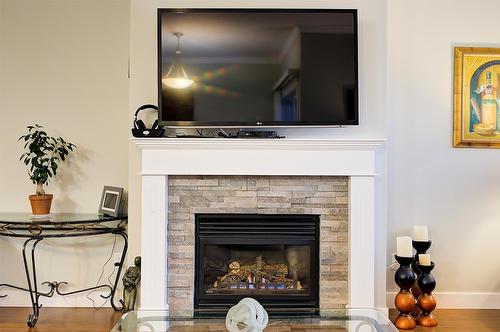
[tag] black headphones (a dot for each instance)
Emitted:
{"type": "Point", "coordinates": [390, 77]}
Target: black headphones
{"type": "Point", "coordinates": [139, 124]}
{"type": "Point", "coordinates": [140, 129]}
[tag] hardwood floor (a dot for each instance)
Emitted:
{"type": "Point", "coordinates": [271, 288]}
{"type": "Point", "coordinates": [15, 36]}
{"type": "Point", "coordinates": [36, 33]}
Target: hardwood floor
{"type": "Point", "coordinates": [59, 320]}
{"type": "Point", "coordinates": [463, 320]}
{"type": "Point", "coordinates": [85, 319]}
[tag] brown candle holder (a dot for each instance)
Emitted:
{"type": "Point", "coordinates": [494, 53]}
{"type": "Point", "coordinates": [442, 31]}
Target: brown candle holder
{"type": "Point", "coordinates": [404, 301]}
{"type": "Point", "coordinates": [426, 302]}
{"type": "Point", "coordinates": [421, 247]}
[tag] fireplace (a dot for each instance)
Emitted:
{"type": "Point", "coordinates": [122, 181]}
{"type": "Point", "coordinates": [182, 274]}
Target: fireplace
{"type": "Point", "coordinates": [341, 180]}
{"type": "Point", "coordinates": [272, 258]}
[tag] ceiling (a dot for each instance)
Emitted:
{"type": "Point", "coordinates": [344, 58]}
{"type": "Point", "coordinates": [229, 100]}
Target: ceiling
{"type": "Point", "coordinates": [243, 34]}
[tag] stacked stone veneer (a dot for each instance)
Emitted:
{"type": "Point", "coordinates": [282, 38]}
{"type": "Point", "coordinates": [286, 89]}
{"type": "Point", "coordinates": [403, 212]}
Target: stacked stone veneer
{"type": "Point", "coordinates": [325, 196]}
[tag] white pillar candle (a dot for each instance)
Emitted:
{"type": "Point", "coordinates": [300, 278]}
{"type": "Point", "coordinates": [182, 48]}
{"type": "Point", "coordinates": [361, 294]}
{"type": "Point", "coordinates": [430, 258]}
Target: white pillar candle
{"type": "Point", "coordinates": [404, 247]}
{"type": "Point", "coordinates": [424, 259]}
{"type": "Point", "coordinates": [420, 233]}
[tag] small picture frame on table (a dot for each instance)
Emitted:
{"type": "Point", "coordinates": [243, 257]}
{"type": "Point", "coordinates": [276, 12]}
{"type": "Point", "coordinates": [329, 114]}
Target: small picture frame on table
{"type": "Point", "coordinates": [111, 199]}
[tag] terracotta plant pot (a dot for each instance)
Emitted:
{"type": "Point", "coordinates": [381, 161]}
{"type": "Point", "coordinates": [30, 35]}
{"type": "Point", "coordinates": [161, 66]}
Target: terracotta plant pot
{"type": "Point", "coordinates": [40, 204]}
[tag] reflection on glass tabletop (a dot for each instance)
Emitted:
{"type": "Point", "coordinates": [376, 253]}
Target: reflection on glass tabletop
{"type": "Point", "coordinates": [56, 218]}
{"type": "Point", "coordinates": [207, 320]}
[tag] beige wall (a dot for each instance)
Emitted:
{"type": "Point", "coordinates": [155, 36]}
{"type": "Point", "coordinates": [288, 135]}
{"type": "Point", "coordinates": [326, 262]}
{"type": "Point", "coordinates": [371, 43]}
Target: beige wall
{"type": "Point", "coordinates": [63, 64]}
{"type": "Point", "coordinates": [454, 191]}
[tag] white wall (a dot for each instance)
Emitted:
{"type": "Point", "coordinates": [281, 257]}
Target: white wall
{"type": "Point", "coordinates": [454, 191]}
{"type": "Point", "coordinates": [372, 59]}
{"type": "Point", "coordinates": [63, 64]}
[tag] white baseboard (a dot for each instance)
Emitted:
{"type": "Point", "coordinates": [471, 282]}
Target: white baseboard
{"type": "Point", "coordinates": [457, 300]}
{"type": "Point", "coordinates": [16, 298]}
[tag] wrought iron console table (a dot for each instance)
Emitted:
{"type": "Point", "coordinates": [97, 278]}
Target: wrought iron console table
{"type": "Point", "coordinates": [59, 225]}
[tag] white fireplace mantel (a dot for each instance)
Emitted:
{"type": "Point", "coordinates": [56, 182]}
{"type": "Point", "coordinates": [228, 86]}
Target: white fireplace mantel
{"type": "Point", "coordinates": [356, 158]}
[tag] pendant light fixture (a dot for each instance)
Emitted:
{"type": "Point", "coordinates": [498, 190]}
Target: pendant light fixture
{"type": "Point", "coordinates": [176, 77]}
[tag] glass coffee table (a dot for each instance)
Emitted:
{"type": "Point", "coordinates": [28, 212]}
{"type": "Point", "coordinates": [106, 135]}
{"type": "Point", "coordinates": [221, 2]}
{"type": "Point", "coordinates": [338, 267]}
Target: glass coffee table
{"type": "Point", "coordinates": [205, 320]}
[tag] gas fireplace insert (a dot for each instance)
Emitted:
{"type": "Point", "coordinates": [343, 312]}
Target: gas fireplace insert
{"type": "Point", "coordinates": [272, 258]}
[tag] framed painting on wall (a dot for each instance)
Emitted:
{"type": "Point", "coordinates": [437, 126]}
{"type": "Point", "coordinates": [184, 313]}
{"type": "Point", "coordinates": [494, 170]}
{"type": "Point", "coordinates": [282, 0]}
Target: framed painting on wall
{"type": "Point", "coordinates": [477, 97]}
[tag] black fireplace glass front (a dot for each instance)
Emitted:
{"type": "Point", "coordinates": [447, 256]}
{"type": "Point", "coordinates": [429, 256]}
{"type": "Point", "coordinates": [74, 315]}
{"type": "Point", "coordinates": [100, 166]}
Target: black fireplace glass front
{"type": "Point", "coordinates": [256, 269]}
{"type": "Point", "coordinates": [272, 258]}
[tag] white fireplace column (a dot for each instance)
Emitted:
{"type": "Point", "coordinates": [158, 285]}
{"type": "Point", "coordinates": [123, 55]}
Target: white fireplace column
{"type": "Point", "coordinates": [305, 157]}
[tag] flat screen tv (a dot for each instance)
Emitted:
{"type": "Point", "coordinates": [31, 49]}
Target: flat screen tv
{"type": "Point", "coordinates": [257, 68]}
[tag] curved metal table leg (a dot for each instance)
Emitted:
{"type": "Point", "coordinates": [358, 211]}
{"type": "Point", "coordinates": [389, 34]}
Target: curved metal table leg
{"type": "Point", "coordinates": [32, 285]}
{"type": "Point", "coordinates": [112, 288]}
{"type": "Point", "coordinates": [49, 293]}
{"type": "Point", "coordinates": [118, 273]}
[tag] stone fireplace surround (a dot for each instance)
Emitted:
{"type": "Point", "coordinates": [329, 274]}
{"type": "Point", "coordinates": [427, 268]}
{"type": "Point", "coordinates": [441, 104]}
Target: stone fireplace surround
{"type": "Point", "coordinates": [186, 159]}
{"type": "Point", "coordinates": [316, 195]}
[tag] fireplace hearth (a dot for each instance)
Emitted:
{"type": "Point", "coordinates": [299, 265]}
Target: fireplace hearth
{"type": "Point", "coordinates": [272, 258]}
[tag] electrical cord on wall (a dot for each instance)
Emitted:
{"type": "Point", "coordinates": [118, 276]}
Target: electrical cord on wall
{"type": "Point", "coordinates": [100, 277]}
{"type": "Point", "coordinates": [392, 265]}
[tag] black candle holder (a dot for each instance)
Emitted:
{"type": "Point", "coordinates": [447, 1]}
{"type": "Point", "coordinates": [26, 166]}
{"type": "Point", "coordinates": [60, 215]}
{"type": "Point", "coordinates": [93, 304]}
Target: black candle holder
{"type": "Point", "coordinates": [426, 302]}
{"type": "Point", "coordinates": [404, 301]}
{"type": "Point", "coordinates": [421, 247]}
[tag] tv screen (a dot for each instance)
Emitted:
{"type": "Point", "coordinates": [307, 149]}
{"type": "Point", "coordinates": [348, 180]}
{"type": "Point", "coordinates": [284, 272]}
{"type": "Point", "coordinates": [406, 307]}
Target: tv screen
{"type": "Point", "coordinates": [248, 68]}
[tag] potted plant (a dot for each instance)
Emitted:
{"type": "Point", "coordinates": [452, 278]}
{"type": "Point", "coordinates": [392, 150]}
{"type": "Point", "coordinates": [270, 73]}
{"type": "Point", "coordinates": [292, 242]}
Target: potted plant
{"type": "Point", "coordinates": [42, 155]}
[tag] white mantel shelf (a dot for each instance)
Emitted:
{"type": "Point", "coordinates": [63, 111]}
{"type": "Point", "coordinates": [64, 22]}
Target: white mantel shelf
{"type": "Point", "coordinates": [248, 143]}
{"type": "Point", "coordinates": [355, 158]}
{"type": "Point", "coordinates": [226, 156]}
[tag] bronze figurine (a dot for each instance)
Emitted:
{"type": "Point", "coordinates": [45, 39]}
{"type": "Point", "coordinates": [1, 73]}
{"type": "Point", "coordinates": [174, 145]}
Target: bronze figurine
{"type": "Point", "coordinates": [131, 279]}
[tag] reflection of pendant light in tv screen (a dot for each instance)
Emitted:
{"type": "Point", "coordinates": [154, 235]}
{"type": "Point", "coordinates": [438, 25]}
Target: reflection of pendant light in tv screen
{"type": "Point", "coordinates": [176, 77]}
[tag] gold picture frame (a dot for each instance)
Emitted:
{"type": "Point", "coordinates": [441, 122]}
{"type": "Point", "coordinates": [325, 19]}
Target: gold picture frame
{"type": "Point", "coordinates": [476, 99]}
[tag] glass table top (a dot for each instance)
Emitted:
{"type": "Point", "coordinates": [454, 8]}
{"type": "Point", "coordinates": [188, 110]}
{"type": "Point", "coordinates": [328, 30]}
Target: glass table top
{"type": "Point", "coordinates": [56, 218]}
{"type": "Point", "coordinates": [206, 320]}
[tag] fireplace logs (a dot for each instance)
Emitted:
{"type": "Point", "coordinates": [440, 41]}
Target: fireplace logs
{"type": "Point", "coordinates": [256, 276]}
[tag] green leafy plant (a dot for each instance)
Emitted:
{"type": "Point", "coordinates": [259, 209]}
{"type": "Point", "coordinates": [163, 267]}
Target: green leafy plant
{"type": "Point", "coordinates": [42, 155]}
